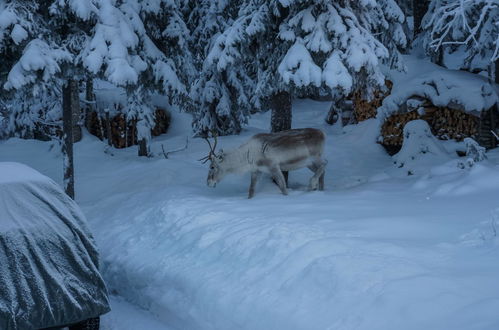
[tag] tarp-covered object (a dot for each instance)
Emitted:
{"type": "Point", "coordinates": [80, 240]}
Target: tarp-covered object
{"type": "Point", "coordinates": [48, 261]}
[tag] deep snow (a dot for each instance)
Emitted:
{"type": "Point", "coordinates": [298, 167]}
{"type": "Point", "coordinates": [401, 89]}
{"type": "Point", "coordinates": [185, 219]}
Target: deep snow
{"type": "Point", "coordinates": [378, 249]}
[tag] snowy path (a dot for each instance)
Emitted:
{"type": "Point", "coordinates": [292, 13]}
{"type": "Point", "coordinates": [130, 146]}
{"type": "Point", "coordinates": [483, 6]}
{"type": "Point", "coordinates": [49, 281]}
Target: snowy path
{"type": "Point", "coordinates": [376, 250]}
{"type": "Point", "coordinates": [125, 316]}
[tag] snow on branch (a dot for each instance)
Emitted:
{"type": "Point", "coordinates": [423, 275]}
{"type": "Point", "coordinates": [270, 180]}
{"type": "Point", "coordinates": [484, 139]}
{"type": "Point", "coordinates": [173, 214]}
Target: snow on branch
{"type": "Point", "coordinates": [298, 67]}
{"type": "Point", "coordinates": [38, 57]}
{"type": "Point", "coordinates": [470, 23]}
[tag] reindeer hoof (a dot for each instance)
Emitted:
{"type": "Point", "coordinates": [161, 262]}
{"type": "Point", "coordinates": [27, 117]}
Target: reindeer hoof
{"type": "Point", "coordinates": [313, 186]}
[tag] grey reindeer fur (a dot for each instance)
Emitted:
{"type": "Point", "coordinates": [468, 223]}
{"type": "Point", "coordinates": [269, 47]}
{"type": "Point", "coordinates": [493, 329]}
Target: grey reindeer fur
{"type": "Point", "coordinates": [273, 153]}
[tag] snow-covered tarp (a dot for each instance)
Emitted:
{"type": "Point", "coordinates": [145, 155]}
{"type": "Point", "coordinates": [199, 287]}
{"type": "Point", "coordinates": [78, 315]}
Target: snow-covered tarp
{"type": "Point", "coordinates": [48, 261]}
{"type": "Point", "coordinates": [443, 87]}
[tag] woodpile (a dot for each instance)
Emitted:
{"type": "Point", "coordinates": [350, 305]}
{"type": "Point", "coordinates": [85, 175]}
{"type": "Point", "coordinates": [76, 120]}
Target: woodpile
{"type": "Point", "coordinates": [364, 109]}
{"type": "Point", "coordinates": [392, 129]}
{"type": "Point", "coordinates": [450, 124]}
{"type": "Point", "coordinates": [122, 132]}
{"type": "Point", "coordinates": [445, 123]}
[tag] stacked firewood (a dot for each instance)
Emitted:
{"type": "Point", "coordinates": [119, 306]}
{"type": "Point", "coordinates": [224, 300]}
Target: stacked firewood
{"type": "Point", "coordinates": [392, 129]}
{"type": "Point", "coordinates": [449, 123]}
{"type": "Point", "coordinates": [445, 123]}
{"type": "Point", "coordinates": [123, 132]}
{"type": "Point", "coordinates": [364, 109]}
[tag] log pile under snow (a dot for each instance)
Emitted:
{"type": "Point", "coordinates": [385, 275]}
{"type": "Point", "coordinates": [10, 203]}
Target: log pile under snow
{"type": "Point", "coordinates": [366, 109]}
{"type": "Point", "coordinates": [445, 123]}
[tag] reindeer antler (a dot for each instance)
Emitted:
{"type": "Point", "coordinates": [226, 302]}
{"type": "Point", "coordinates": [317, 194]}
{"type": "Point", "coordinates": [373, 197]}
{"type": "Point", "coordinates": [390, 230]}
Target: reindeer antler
{"type": "Point", "coordinates": [212, 152]}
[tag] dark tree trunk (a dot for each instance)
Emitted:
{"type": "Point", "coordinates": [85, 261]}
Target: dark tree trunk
{"type": "Point", "coordinates": [496, 71]}
{"type": "Point", "coordinates": [419, 7]}
{"type": "Point", "coordinates": [280, 103]}
{"type": "Point", "coordinates": [495, 112]}
{"type": "Point", "coordinates": [90, 101]}
{"type": "Point", "coordinates": [439, 55]}
{"type": "Point", "coordinates": [67, 146]}
{"type": "Point", "coordinates": [109, 133]}
{"type": "Point", "coordinates": [75, 111]}
{"type": "Point", "coordinates": [333, 115]}
{"type": "Point", "coordinates": [487, 125]}
{"type": "Point", "coordinates": [143, 148]}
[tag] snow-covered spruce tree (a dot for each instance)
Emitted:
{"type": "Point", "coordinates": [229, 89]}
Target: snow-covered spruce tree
{"type": "Point", "coordinates": [165, 25]}
{"type": "Point", "coordinates": [30, 70]}
{"type": "Point", "coordinates": [45, 40]}
{"type": "Point", "coordinates": [206, 19]}
{"type": "Point", "coordinates": [122, 52]}
{"type": "Point", "coordinates": [220, 97]}
{"type": "Point", "coordinates": [295, 44]}
{"type": "Point", "coordinates": [465, 26]}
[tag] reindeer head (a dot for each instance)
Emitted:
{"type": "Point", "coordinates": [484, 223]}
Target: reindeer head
{"type": "Point", "coordinates": [216, 172]}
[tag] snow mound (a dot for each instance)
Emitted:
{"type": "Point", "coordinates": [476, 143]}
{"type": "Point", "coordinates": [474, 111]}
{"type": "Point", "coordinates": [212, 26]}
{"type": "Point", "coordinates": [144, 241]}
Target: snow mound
{"type": "Point", "coordinates": [419, 147]}
{"type": "Point", "coordinates": [480, 178]}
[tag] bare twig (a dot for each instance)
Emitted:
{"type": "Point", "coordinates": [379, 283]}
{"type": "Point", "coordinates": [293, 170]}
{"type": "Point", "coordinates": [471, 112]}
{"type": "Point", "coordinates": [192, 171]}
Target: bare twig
{"type": "Point", "coordinates": [165, 153]}
{"type": "Point", "coordinates": [88, 102]}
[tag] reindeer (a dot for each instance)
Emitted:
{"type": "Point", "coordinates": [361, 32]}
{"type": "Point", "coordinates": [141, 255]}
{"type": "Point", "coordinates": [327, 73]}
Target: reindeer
{"type": "Point", "coordinates": [271, 153]}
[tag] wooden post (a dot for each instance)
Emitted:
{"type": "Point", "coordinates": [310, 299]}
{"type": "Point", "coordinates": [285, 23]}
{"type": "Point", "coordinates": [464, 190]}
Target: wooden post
{"type": "Point", "coordinates": [68, 138]}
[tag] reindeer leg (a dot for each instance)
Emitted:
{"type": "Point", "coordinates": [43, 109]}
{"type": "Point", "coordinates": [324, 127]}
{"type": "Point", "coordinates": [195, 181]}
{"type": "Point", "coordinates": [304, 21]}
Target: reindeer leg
{"type": "Point", "coordinates": [321, 181]}
{"type": "Point", "coordinates": [254, 177]}
{"type": "Point", "coordinates": [317, 180]}
{"type": "Point", "coordinates": [279, 178]}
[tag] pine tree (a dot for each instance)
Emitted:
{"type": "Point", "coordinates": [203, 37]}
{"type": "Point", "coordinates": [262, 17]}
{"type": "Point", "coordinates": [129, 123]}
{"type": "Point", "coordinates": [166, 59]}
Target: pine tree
{"type": "Point", "coordinates": [312, 44]}
{"type": "Point", "coordinates": [220, 95]}
{"type": "Point", "coordinates": [31, 69]}
{"type": "Point", "coordinates": [131, 54]}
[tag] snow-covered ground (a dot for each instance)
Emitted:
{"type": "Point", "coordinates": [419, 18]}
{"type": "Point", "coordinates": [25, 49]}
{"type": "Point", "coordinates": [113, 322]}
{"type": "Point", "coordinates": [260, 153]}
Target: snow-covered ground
{"type": "Point", "coordinates": [378, 249]}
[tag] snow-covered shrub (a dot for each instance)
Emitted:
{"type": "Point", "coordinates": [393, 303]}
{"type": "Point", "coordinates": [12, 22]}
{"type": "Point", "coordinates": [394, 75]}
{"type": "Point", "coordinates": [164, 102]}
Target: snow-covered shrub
{"type": "Point", "coordinates": [474, 153]}
{"type": "Point", "coordinates": [419, 146]}
{"type": "Point", "coordinates": [474, 150]}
